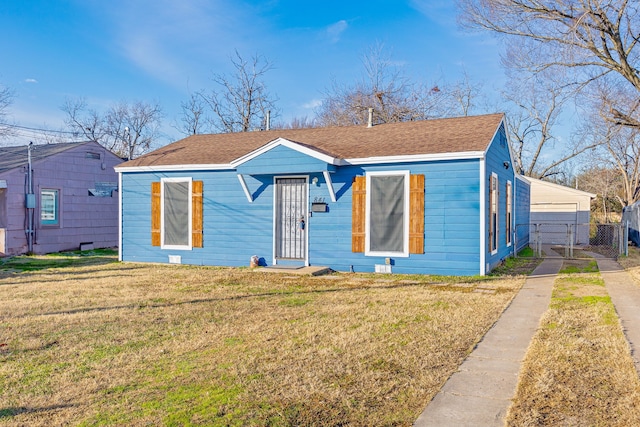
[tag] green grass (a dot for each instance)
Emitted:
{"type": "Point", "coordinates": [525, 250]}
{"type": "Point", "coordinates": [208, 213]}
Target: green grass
{"type": "Point", "coordinates": [590, 267]}
{"type": "Point", "coordinates": [26, 263]}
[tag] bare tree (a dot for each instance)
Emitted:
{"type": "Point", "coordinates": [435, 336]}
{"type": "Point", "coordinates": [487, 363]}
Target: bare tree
{"type": "Point", "coordinates": [393, 96]}
{"type": "Point", "coordinates": [619, 151]}
{"type": "Point", "coordinates": [297, 123]}
{"type": "Point", "coordinates": [605, 182]}
{"type": "Point", "coordinates": [6, 99]}
{"type": "Point", "coordinates": [538, 103]}
{"type": "Point", "coordinates": [383, 87]}
{"type": "Point", "coordinates": [126, 129]}
{"type": "Point", "coordinates": [242, 100]}
{"type": "Point", "coordinates": [193, 119]}
{"type": "Point", "coordinates": [594, 40]}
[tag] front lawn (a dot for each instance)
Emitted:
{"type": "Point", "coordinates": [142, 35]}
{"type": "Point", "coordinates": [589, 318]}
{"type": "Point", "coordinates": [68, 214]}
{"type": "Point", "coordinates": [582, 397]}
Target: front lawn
{"type": "Point", "coordinates": [105, 343]}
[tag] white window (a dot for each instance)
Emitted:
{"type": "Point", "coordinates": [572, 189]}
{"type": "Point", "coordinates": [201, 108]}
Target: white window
{"type": "Point", "coordinates": [49, 207]}
{"type": "Point", "coordinates": [176, 213]}
{"type": "Point", "coordinates": [493, 214]}
{"type": "Point", "coordinates": [387, 214]}
{"type": "Point", "coordinates": [509, 216]}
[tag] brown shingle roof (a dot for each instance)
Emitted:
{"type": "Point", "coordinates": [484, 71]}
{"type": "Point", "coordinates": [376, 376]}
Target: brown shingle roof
{"type": "Point", "coordinates": [437, 136]}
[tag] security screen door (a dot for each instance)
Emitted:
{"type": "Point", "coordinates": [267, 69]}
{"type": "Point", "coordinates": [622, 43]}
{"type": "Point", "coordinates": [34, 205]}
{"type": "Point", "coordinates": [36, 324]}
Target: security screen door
{"type": "Point", "coordinates": [291, 216]}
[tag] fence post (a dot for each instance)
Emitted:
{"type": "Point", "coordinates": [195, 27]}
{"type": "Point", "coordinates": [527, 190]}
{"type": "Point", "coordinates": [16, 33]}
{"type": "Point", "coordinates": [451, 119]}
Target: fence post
{"type": "Point", "coordinates": [571, 234]}
{"type": "Point", "coordinates": [538, 242]}
{"type": "Point", "coordinates": [625, 242]}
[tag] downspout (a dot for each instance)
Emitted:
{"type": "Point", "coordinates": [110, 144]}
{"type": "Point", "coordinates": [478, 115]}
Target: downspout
{"type": "Point", "coordinates": [29, 201]}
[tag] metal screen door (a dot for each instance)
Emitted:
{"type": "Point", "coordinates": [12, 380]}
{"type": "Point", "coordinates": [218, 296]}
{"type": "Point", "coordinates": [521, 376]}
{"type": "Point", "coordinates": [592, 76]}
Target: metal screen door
{"type": "Point", "coordinates": [291, 216]}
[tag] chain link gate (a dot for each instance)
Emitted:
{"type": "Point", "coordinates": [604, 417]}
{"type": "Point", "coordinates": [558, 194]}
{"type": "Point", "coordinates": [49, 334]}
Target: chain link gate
{"type": "Point", "coordinates": [609, 240]}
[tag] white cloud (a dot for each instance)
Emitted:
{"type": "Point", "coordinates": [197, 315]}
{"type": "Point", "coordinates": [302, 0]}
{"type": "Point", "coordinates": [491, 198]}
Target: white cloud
{"type": "Point", "coordinates": [314, 103]}
{"type": "Point", "coordinates": [442, 11]}
{"type": "Point", "coordinates": [30, 81]}
{"type": "Point", "coordinates": [170, 40]}
{"type": "Point", "coordinates": [334, 31]}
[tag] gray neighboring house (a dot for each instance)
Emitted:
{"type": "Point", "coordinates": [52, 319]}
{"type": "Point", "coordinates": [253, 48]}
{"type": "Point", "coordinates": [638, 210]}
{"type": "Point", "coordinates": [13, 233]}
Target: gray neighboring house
{"type": "Point", "coordinates": [69, 199]}
{"type": "Point", "coordinates": [554, 208]}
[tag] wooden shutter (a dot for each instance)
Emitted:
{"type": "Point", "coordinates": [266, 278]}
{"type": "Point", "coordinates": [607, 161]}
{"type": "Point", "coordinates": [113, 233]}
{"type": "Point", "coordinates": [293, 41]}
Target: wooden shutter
{"type": "Point", "coordinates": [358, 207]}
{"type": "Point", "coordinates": [416, 214]}
{"type": "Point", "coordinates": [155, 213]}
{"type": "Point", "coordinates": [196, 214]}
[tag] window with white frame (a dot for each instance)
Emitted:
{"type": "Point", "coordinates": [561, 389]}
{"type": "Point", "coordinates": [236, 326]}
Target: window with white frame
{"type": "Point", "coordinates": [493, 214]}
{"type": "Point", "coordinates": [509, 216]}
{"type": "Point", "coordinates": [387, 215]}
{"type": "Point", "coordinates": [49, 214]}
{"type": "Point", "coordinates": [176, 213]}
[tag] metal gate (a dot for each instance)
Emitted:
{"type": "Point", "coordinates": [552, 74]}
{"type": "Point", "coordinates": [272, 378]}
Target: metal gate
{"type": "Point", "coordinates": [609, 240]}
{"type": "Point", "coordinates": [290, 219]}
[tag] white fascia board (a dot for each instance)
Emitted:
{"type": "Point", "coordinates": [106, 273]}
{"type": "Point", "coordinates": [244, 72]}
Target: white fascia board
{"type": "Point", "coordinates": [483, 224]}
{"type": "Point", "coordinates": [289, 144]}
{"type": "Point", "coordinates": [506, 134]}
{"type": "Point", "coordinates": [417, 158]}
{"type": "Point", "coordinates": [120, 216]}
{"type": "Point", "coordinates": [173, 168]}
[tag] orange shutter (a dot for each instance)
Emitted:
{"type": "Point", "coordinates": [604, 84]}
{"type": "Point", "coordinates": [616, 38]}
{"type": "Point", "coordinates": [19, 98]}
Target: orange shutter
{"type": "Point", "coordinates": [196, 214]}
{"type": "Point", "coordinates": [155, 214]}
{"type": "Point", "coordinates": [416, 214]}
{"type": "Point", "coordinates": [358, 200]}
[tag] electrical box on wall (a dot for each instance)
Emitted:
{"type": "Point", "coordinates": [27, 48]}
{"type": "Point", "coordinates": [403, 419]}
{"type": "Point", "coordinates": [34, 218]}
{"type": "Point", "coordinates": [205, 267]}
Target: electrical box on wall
{"type": "Point", "coordinates": [30, 201]}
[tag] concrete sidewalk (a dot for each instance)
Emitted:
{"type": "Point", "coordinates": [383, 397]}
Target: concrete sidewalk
{"type": "Point", "coordinates": [625, 296]}
{"type": "Point", "coordinates": [480, 392]}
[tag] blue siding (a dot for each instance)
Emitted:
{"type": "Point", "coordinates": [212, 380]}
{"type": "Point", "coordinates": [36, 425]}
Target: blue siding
{"type": "Point", "coordinates": [497, 154]}
{"type": "Point", "coordinates": [281, 159]}
{"type": "Point", "coordinates": [235, 229]}
{"type": "Point", "coordinates": [523, 213]}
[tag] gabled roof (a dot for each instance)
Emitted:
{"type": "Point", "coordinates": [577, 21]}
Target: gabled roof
{"type": "Point", "coordinates": [439, 136]}
{"type": "Point", "coordinates": [17, 156]}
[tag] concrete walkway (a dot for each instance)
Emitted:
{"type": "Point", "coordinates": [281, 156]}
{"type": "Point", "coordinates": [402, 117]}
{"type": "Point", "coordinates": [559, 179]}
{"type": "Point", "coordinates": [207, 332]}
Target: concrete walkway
{"type": "Point", "coordinates": [480, 392]}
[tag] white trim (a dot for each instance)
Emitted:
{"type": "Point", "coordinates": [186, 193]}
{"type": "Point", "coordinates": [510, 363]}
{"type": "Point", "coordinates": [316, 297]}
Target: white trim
{"type": "Point", "coordinates": [483, 217]}
{"type": "Point", "coordinates": [286, 143]}
{"type": "Point", "coordinates": [245, 188]}
{"type": "Point", "coordinates": [497, 223]}
{"type": "Point", "coordinates": [509, 208]}
{"type": "Point", "coordinates": [328, 159]}
{"type": "Point", "coordinates": [174, 168]}
{"type": "Point", "coordinates": [416, 158]}
{"type": "Point", "coordinates": [407, 193]}
{"type": "Point", "coordinates": [119, 216]}
{"type": "Point", "coordinates": [332, 192]}
{"type": "Point", "coordinates": [189, 246]}
{"type": "Point", "coordinates": [306, 214]}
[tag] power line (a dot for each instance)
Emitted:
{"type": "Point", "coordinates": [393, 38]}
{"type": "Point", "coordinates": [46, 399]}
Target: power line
{"type": "Point", "coordinates": [9, 125]}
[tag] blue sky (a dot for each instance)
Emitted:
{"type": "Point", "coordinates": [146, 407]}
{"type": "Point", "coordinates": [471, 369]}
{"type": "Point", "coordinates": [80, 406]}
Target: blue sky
{"type": "Point", "coordinates": [161, 50]}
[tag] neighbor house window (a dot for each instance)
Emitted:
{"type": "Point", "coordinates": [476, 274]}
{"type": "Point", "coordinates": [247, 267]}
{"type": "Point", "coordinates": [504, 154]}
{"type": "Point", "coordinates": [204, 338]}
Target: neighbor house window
{"type": "Point", "coordinates": [508, 213]}
{"type": "Point", "coordinates": [493, 213]}
{"type": "Point", "coordinates": [49, 214]}
{"type": "Point", "coordinates": [176, 213]}
{"type": "Point", "coordinates": [387, 215]}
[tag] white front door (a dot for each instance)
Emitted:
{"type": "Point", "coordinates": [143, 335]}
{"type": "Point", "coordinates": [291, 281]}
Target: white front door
{"type": "Point", "coordinates": [290, 219]}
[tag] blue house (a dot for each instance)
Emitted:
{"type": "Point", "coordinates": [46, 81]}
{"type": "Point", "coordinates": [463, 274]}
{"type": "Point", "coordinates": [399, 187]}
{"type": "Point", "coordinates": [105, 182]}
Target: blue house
{"type": "Point", "coordinates": [425, 197]}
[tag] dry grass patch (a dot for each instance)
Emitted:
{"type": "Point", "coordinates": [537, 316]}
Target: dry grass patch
{"type": "Point", "coordinates": [578, 370]}
{"type": "Point", "coordinates": [129, 344]}
{"type": "Point", "coordinates": [631, 263]}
